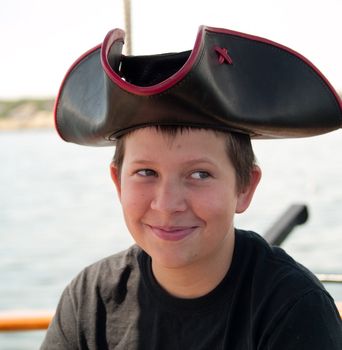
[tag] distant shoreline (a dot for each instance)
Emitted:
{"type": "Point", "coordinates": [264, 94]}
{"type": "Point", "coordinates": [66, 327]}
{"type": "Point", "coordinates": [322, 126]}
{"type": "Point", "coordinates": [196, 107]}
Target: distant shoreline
{"type": "Point", "coordinates": [26, 114]}
{"type": "Point", "coordinates": [40, 120]}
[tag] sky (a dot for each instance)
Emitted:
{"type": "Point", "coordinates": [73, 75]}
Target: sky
{"type": "Point", "coordinates": [40, 39]}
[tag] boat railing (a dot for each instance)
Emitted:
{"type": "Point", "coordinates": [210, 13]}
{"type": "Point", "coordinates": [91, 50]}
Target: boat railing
{"type": "Point", "coordinates": [296, 214]}
{"type": "Point", "coordinates": [14, 321]}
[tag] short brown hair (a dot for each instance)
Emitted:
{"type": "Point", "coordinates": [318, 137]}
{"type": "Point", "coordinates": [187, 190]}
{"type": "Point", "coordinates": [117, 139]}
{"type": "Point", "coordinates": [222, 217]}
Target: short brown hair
{"type": "Point", "coordinates": [238, 148]}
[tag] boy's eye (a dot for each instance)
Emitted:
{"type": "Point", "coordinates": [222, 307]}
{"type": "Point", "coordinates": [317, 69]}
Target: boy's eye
{"type": "Point", "coordinates": [200, 175]}
{"type": "Point", "coordinates": [146, 172]}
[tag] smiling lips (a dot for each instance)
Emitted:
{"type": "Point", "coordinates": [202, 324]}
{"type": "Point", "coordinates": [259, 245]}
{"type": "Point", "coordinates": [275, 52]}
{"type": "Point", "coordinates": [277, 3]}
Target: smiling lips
{"type": "Point", "coordinates": [172, 233]}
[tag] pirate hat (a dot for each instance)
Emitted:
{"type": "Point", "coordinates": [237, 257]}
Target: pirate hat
{"type": "Point", "coordinates": [230, 81]}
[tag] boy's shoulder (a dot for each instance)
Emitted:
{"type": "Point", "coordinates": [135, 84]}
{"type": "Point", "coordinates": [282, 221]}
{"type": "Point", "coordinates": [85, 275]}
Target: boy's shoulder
{"type": "Point", "coordinates": [274, 278]}
{"type": "Point", "coordinates": [103, 275]}
{"type": "Point", "coordinates": [271, 268]}
{"type": "Point", "coordinates": [283, 296]}
{"type": "Point", "coordinates": [116, 261]}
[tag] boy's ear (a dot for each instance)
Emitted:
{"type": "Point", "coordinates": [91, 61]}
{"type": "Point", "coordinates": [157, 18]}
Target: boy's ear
{"type": "Point", "coordinates": [245, 196]}
{"type": "Point", "coordinates": [114, 173]}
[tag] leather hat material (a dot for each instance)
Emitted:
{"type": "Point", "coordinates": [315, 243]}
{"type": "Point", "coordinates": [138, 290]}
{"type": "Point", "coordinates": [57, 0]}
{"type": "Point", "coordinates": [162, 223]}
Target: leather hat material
{"type": "Point", "coordinates": [230, 81]}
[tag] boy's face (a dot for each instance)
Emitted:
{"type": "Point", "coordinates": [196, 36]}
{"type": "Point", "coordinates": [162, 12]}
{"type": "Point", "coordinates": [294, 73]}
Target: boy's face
{"type": "Point", "coordinates": [178, 195]}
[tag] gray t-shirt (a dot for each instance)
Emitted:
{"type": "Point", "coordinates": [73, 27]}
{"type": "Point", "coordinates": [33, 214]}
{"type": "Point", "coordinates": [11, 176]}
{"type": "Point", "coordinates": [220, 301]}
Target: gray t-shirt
{"type": "Point", "coordinates": [266, 301]}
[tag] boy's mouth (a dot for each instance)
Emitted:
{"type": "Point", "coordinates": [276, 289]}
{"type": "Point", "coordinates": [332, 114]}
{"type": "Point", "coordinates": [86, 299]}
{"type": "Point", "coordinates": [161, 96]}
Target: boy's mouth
{"type": "Point", "coordinates": [172, 233]}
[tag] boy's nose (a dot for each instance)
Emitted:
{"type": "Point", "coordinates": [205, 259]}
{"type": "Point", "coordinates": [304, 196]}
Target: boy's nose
{"type": "Point", "coordinates": [169, 197]}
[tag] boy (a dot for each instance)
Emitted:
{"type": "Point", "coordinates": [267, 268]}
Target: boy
{"type": "Point", "coordinates": [183, 167]}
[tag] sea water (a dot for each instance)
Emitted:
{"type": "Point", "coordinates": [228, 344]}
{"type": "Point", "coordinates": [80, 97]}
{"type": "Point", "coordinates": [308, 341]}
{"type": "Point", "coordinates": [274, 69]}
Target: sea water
{"type": "Point", "coordinates": [59, 212]}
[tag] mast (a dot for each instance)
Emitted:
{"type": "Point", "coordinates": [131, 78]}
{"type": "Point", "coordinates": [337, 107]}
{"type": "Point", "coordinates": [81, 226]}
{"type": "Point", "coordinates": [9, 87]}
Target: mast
{"type": "Point", "coordinates": [128, 27]}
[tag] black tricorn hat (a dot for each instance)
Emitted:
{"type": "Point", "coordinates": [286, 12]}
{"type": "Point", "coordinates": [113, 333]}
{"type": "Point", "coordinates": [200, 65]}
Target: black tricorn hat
{"type": "Point", "coordinates": [230, 81]}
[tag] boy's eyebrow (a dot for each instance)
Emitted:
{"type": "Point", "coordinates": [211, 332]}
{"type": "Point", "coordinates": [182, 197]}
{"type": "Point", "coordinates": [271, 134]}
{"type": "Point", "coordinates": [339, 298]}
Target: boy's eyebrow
{"type": "Point", "coordinates": [188, 162]}
{"type": "Point", "coordinates": [200, 160]}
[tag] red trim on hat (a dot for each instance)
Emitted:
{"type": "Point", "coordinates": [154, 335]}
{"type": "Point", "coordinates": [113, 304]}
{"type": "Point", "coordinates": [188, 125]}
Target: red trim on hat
{"type": "Point", "coordinates": [77, 62]}
{"type": "Point", "coordinates": [270, 42]}
{"type": "Point", "coordinates": [118, 35]}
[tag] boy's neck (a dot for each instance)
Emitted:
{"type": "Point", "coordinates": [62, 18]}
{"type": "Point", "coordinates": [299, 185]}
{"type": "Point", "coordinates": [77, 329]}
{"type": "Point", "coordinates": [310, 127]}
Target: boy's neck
{"type": "Point", "coordinates": [196, 280]}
